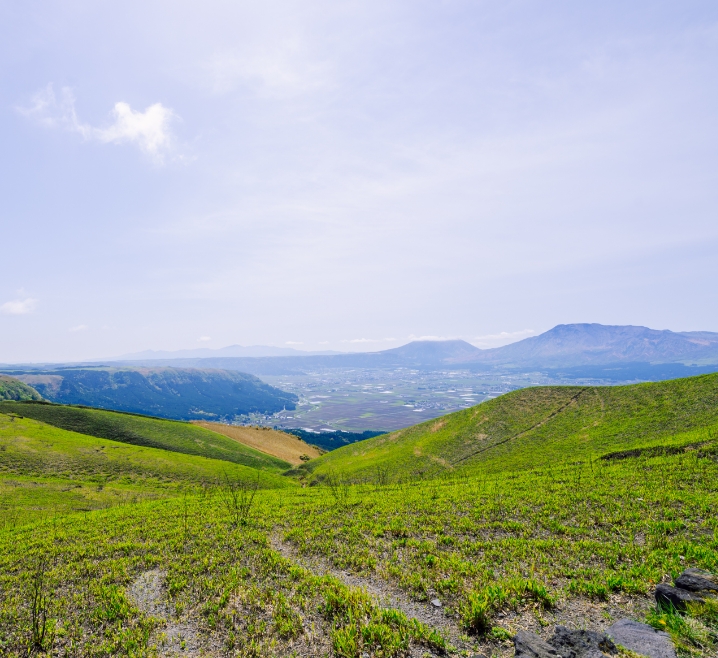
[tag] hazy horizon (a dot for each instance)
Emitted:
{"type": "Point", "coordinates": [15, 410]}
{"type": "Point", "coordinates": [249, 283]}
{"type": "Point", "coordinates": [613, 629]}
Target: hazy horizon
{"type": "Point", "coordinates": [348, 176]}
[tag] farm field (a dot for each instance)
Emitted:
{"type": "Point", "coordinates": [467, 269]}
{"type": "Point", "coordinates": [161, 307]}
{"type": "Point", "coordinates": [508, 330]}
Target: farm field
{"type": "Point", "coordinates": [386, 562]}
{"type": "Point", "coordinates": [382, 400]}
{"type": "Point", "coordinates": [278, 444]}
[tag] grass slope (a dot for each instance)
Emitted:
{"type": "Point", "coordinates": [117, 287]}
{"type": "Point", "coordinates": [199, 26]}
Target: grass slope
{"type": "Point", "coordinates": [510, 551]}
{"type": "Point", "coordinates": [278, 444]}
{"type": "Point", "coordinates": [13, 389]}
{"type": "Point", "coordinates": [146, 431]}
{"type": "Point", "coordinates": [533, 427]}
{"type": "Point", "coordinates": [44, 468]}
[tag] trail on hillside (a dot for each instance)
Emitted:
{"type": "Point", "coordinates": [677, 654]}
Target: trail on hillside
{"type": "Point", "coordinates": [552, 415]}
{"type": "Point", "coordinates": [385, 596]}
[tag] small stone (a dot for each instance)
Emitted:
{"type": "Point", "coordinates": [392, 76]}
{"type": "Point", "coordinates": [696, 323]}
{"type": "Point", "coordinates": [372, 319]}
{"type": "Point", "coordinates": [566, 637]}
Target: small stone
{"type": "Point", "coordinates": [642, 639]}
{"type": "Point", "coordinates": [436, 603]}
{"type": "Point", "coordinates": [697, 580]}
{"type": "Point", "coordinates": [528, 645]}
{"type": "Point", "coordinates": [582, 643]}
{"type": "Point", "coordinates": [675, 596]}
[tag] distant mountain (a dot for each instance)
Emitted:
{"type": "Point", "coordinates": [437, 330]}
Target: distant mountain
{"type": "Point", "coordinates": [207, 352]}
{"type": "Point", "coordinates": [424, 354]}
{"type": "Point", "coordinates": [568, 345]}
{"type": "Point", "coordinates": [182, 394]}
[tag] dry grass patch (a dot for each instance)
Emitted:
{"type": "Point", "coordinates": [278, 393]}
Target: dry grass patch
{"type": "Point", "coordinates": [278, 444]}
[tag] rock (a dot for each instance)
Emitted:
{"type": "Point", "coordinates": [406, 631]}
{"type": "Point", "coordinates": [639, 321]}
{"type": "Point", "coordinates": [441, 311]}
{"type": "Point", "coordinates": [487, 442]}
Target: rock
{"type": "Point", "coordinates": [675, 596]}
{"type": "Point", "coordinates": [642, 639]}
{"type": "Point", "coordinates": [582, 643]}
{"type": "Point", "coordinates": [697, 580]}
{"type": "Point", "coordinates": [436, 603]}
{"type": "Point", "coordinates": [529, 645]}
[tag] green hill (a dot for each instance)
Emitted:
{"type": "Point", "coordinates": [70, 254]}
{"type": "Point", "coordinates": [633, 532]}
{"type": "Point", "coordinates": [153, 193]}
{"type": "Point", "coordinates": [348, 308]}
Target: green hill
{"type": "Point", "coordinates": [14, 389]}
{"type": "Point", "coordinates": [523, 533]}
{"type": "Point", "coordinates": [45, 469]}
{"type": "Point", "coordinates": [536, 428]}
{"type": "Point", "coordinates": [146, 431]}
{"type": "Point", "coordinates": [178, 393]}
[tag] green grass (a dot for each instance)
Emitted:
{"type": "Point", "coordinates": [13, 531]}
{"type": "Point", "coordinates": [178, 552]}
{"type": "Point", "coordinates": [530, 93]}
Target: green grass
{"type": "Point", "coordinates": [45, 471]}
{"type": "Point", "coordinates": [146, 431]}
{"type": "Point", "coordinates": [482, 544]}
{"type": "Point", "coordinates": [532, 427]}
{"type": "Point", "coordinates": [490, 541]}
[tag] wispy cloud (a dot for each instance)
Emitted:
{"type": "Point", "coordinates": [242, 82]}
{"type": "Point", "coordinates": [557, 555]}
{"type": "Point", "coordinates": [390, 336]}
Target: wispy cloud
{"type": "Point", "coordinates": [413, 337]}
{"type": "Point", "coordinates": [369, 340]}
{"type": "Point", "coordinates": [503, 337]}
{"type": "Point", "coordinates": [204, 339]}
{"type": "Point", "coordinates": [79, 327]}
{"type": "Point", "coordinates": [294, 342]}
{"type": "Point", "coordinates": [149, 130]}
{"type": "Point", "coordinates": [19, 306]}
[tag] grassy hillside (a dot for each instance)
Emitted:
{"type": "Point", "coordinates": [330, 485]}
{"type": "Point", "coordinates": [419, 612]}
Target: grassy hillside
{"type": "Point", "coordinates": [278, 444]}
{"type": "Point", "coordinates": [535, 427]}
{"type": "Point", "coordinates": [179, 393]}
{"type": "Point", "coordinates": [45, 469]}
{"type": "Point", "coordinates": [145, 431]}
{"type": "Point", "coordinates": [523, 550]}
{"type": "Point", "coordinates": [14, 389]}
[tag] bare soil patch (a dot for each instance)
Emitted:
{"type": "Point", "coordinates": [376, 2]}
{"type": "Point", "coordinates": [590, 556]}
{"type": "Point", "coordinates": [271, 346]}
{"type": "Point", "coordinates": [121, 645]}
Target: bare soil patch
{"type": "Point", "coordinates": [278, 444]}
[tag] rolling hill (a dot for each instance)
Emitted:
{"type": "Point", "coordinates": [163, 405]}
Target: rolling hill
{"type": "Point", "coordinates": [536, 428]}
{"type": "Point", "coordinates": [145, 431]}
{"type": "Point", "coordinates": [176, 393]}
{"type": "Point", "coordinates": [14, 389]}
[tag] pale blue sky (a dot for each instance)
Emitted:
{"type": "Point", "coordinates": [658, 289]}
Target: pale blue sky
{"type": "Point", "coordinates": [315, 174]}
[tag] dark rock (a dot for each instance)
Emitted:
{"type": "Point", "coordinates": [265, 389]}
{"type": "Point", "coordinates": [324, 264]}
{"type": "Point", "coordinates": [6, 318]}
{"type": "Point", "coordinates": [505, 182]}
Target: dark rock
{"type": "Point", "coordinates": [582, 643]}
{"type": "Point", "coordinates": [697, 580]}
{"type": "Point", "coordinates": [642, 639]}
{"type": "Point", "coordinates": [529, 645]}
{"type": "Point", "coordinates": [675, 596]}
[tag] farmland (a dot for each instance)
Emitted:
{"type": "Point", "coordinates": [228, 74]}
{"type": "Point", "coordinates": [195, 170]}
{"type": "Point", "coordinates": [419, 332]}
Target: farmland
{"type": "Point", "coordinates": [383, 562]}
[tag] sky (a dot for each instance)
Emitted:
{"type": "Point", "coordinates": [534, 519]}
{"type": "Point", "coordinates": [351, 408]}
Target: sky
{"type": "Point", "coordinates": [352, 175]}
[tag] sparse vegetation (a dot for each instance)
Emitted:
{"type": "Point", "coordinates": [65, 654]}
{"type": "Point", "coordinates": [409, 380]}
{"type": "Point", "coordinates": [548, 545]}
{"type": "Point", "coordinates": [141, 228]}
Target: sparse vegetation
{"type": "Point", "coordinates": [496, 548]}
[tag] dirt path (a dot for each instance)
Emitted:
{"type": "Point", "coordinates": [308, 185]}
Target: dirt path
{"type": "Point", "coordinates": [177, 637]}
{"type": "Point", "coordinates": [385, 596]}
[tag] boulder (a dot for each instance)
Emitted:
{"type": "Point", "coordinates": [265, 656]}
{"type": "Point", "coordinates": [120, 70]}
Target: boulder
{"type": "Point", "coordinates": [530, 645]}
{"type": "Point", "coordinates": [642, 639]}
{"type": "Point", "coordinates": [697, 580]}
{"type": "Point", "coordinates": [582, 643]}
{"type": "Point", "coordinates": [675, 596]}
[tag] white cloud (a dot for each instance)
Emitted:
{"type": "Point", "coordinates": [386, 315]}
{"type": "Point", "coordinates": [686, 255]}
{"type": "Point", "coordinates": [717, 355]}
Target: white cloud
{"type": "Point", "coordinates": [19, 306]}
{"type": "Point", "coordinates": [502, 338]}
{"type": "Point", "coordinates": [413, 337]}
{"type": "Point", "coordinates": [79, 327]}
{"type": "Point", "coordinates": [203, 339]}
{"type": "Point", "coordinates": [294, 342]}
{"type": "Point", "coordinates": [148, 130]}
{"type": "Point", "coordinates": [369, 340]}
